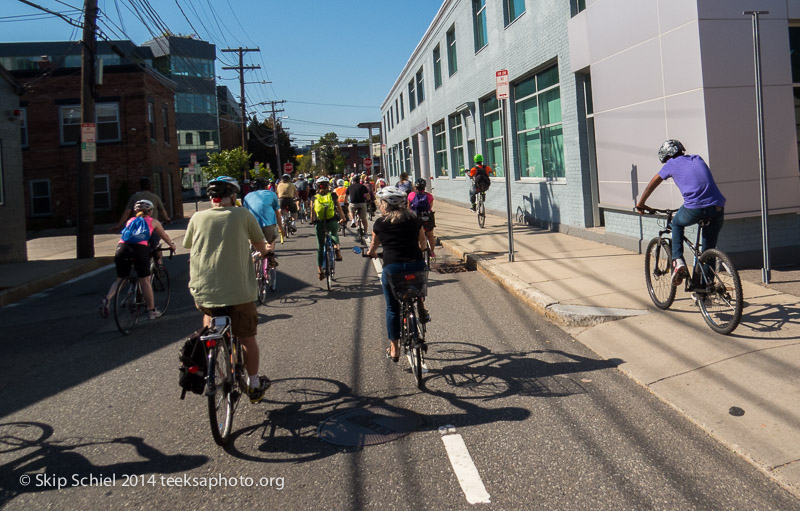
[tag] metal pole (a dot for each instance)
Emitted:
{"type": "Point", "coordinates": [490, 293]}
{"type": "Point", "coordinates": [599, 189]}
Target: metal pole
{"type": "Point", "coordinates": [85, 238]}
{"type": "Point", "coordinates": [762, 160]}
{"type": "Point", "coordinates": [507, 173]}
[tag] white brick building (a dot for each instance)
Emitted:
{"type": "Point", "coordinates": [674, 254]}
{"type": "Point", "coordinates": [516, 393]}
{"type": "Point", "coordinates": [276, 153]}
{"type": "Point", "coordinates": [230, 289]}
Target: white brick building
{"type": "Point", "coordinates": [596, 86]}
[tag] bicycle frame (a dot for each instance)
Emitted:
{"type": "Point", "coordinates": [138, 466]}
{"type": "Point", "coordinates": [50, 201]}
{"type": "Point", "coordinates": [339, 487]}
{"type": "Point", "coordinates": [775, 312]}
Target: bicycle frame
{"type": "Point", "coordinates": [698, 275]}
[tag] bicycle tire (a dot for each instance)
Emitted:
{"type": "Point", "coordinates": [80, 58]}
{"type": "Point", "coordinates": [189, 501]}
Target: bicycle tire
{"type": "Point", "coordinates": [414, 350]}
{"type": "Point", "coordinates": [261, 280]}
{"type": "Point", "coordinates": [159, 281]}
{"type": "Point", "coordinates": [126, 306]}
{"type": "Point", "coordinates": [329, 264]}
{"type": "Point", "coordinates": [221, 401]}
{"type": "Point", "coordinates": [272, 272]}
{"type": "Point", "coordinates": [481, 214]}
{"type": "Point", "coordinates": [657, 272]}
{"type": "Point", "coordinates": [722, 305]}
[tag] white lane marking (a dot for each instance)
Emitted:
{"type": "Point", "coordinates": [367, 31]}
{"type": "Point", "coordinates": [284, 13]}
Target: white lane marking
{"type": "Point", "coordinates": [466, 472]}
{"type": "Point", "coordinates": [87, 275]}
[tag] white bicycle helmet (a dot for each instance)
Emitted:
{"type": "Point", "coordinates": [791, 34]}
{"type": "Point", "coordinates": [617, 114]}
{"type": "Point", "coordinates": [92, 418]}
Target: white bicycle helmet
{"type": "Point", "coordinates": [392, 195]}
{"type": "Point", "coordinates": [323, 180]}
{"type": "Point", "coordinates": [340, 182]}
{"type": "Point", "coordinates": [143, 205]}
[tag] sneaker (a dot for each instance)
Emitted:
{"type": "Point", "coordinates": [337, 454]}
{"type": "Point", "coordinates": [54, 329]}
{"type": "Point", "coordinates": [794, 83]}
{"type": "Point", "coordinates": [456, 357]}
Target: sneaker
{"type": "Point", "coordinates": [424, 316]}
{"type": "Point", "coordinates": [338, 254]}
{"type": "Point", "coordinates": [433, 254]}
{"type": "Point", "coordinates": [155, 314]}
{"type": "Point", "coordinates": [472, 207]}
{"type": "Point", "coordinates": [104, 307]}
{"type": "Point", "coordinates": [352, 224]}
{"type": "Point", "coordinates": [257, 394]}
{"type": "Point", "coordinates": [679, 272]}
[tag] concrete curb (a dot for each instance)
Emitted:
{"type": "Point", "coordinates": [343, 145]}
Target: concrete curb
{"type": "Point", "coordinates": [545, 305]}
{"type": "Point", "coordinates": [17, 293]}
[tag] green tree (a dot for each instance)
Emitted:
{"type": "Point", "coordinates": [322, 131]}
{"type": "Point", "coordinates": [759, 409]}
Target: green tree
{"type": "Point", "coordinates": [234, 163]}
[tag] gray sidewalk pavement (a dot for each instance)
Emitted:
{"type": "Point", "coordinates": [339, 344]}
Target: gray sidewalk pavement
{"type": "Point", "coordinates": [597, 293]}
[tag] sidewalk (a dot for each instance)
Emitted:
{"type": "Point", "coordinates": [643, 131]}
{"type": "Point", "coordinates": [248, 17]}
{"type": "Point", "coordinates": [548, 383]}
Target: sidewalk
{"type": "Point", "coordinates": [597, 293]}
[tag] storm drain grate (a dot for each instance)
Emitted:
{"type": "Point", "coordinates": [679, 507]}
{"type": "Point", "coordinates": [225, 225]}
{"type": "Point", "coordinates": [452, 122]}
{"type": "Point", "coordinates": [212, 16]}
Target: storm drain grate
{"type": "Point", "coordinates": [368, 426]}
{"type": "Point", "coordinates": [454, 267]}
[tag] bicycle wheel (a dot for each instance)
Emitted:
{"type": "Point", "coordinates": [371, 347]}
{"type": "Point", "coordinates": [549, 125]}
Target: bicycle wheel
{"type": "Point", "coordinates": [287, 223]}
{"type": "Point", "coordinates": [481, 213]}
{"type": "Point", "coordinates": [722, 304]}
{"type": "Point", "coordinates": [126, 306]}
{"type": "Point", "coordinates": [414, 350]}
{"type": "Point", "coordinates": [657, 265]}
{"type": "Point", "coordinates": [159, 280]}
{"type": "Point", "coordinates": [220, 398]}
{"type": "Point", "coordinates": [272, 279]}
{"type": "Point", "coordinates": [329, 264]}
{"type": "Point", "coordinates": [261, 280]}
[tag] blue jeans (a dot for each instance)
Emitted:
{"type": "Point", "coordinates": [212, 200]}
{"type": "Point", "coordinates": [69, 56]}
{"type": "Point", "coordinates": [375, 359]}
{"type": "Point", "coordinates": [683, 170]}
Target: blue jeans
{"type": "Point", "coordinates": [392, 305]}
{"type": "Point", "coordinates": [686, 217]}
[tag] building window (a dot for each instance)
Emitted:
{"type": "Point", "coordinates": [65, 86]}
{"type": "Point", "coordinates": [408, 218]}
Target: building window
{"type": "Point", "coordinates": [539, 132]}
{"type": "Point", "coordinates": [794, 51]}
{"type": "Point", "coordinates": [513, 9]}
{"type": "Point", "coordinates": [397, 110]}
{"type": "Point", "coordinates": [402, 108]}
{"type": "Point", "coordinates": [479, 23]}
{"type": "Point", "coordinates": [457, 144]}
{"type": "Point", "coordinates": [106, 118]}
{"type": "Point", "coordinates": [40, 197]}
{"type": "Point", "coordinates": [437, 67]}
{"type": "Point", "coordinates": [151, 119]}
{"type": "Point", "coordinates": [493, 133]}
{"type": "Point", "coordinates": [165, 123]}
{"type": "Point", "coordinates": [420, 87]}
{"type": "Point", "coordinates": [102, 193]}
{"type": "Point", "coordinates": [452, 58]}
{"type": "Point", "coordinates": [440, 149]}
{"type": "Point", "coordinates": [412, 102]}
{"type": "Point", "coordinates": [189, 66]}
{"type": "Point", "coordinates": [195, 103]}
{"type": "Point", "coordinates": [578, 6]}
{"type": "Point", "coordinates": [189, 139]}
{"type": "Point", "coordinates": [407, 155]}
{"type": "Point", "coordinates": [23, 126]}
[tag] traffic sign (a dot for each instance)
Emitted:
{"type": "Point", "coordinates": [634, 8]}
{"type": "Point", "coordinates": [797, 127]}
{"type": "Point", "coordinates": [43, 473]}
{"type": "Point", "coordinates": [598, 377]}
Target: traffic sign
{"type": "Point", "coordinates": [88, 152]}
{"type": "Point", "coordinates": [287, 168]}
{"type": "Point", "coordinates": [368, 162]}
{"type": "Point", "coordinates": [502, 83]}
{"type": "Point", "coordinates": [88, 132]}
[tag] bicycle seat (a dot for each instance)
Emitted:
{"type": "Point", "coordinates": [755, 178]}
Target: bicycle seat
{"type": "Point", "coordinates": [704, 222]}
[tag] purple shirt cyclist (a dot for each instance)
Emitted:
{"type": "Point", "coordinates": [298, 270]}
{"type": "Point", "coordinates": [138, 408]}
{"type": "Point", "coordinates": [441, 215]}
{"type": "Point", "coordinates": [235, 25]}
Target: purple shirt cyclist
{"type": "Point", "coordinates": [701, 199]}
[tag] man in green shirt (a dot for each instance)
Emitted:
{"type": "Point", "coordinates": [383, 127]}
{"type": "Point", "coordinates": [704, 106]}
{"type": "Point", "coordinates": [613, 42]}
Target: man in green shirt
{"type": "Point", "coordinates": [221, 270]}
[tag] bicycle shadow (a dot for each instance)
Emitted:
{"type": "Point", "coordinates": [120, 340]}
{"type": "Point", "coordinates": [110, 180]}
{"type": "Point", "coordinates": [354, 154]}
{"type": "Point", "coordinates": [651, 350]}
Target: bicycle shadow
{"type": "Point", "coordinates": [760, 320]}
{"type": "Point", "coordinates": [470, 375]}
{"type": "Point", "coordinates": [38, 456]}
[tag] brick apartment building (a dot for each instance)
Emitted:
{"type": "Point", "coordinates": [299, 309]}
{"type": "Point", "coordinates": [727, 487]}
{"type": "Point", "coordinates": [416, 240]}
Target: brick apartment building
{"type": "Point", "coordinates": [136, 133]}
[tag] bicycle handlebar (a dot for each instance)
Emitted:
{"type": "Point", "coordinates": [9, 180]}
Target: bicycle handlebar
{"type": "Point", "coordinates": [654, 211]}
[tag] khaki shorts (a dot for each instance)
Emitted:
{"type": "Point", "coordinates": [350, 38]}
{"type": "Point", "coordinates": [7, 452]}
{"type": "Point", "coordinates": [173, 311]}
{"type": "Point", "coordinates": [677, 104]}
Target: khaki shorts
{"type": "Point", "coordinates": [244, 317]}
{"type": "Point", "coordinates": [270, 232]}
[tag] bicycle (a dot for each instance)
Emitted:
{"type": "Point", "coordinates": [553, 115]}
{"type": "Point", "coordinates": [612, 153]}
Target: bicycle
{"type": "Point", "coordinates": [713, 280]}
{"type": "Point", "coordinates": [302, 215]}
{"type": "Point", "coordinates": [227, 379]}
{"type": "Point", "coordinates": [129, 299]}
{"type": "Point", "coordinates": [480, 209]}
{"type": "Point", "coordinates": [266, 276]}
{"type": "Point", "coordinates": [409, 289]}
{"type": "Point", "coordinates": [288, 223]}
{"type": "Point", "coordinates": [328, 260]}
{"type": "Point", "coordinates": [361, 230]}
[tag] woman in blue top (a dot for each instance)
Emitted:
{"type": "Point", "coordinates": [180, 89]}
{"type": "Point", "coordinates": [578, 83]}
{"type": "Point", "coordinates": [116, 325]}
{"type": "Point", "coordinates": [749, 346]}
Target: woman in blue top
{"type": "Point", "coordinates": [701, 199]}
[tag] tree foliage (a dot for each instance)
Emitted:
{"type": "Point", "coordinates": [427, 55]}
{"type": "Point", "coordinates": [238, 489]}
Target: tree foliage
{"type": "Point", "coordinates": [234, 163]}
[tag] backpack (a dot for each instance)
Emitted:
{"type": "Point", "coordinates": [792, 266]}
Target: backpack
{"type": "Point", "coordinates": [136, 231]}
{"type": "Point", "coordinates": [482, 181]}
{"type": "Point", "coordinates": [192, 371]}
{"type": "Point", "coordinates": [323, 206]}
{"type": "Point", "coordinates": [421, 203]}
{"type": "Point", "coordinates": [405, 186]}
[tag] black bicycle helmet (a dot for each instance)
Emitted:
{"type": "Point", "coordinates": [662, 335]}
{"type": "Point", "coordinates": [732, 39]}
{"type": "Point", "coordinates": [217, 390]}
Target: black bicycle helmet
{"type": "Point", "coordinates": [670, 149]}
{"type": "Point", "coordinates": [259, 183]}
{"type": "Point", "coordinates": [222, 187]}
{"type": "Point", "coordinates": [420, 184]}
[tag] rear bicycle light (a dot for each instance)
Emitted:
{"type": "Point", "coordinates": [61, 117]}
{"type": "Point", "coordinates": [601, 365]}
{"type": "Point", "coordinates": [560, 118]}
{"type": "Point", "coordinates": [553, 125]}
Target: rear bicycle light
{"type": "Point", "coordinates": [210, 343]}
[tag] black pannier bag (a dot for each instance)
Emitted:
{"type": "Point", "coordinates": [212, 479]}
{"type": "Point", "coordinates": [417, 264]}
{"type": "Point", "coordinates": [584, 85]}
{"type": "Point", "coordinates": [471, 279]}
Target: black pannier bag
{"type": "Point", "coordinates": [192, 371]}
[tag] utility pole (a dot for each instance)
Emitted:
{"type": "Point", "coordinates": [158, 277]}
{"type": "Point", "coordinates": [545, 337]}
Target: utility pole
{"type": "Point", "coordinates": [241, 68]}
{"type": "Point", "coordinates": [275, 132]}
{"type": "Point", "coordinates": [85, 238]}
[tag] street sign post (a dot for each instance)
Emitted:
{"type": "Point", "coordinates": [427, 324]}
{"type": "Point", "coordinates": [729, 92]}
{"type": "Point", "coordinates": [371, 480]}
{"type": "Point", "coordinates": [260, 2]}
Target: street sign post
{"type": "Point", "coordinates": [193, 158]}
{"type": "Point", "coordinates": [287, 168]}
{"type": "Point", "coordinates": [368, 163]}
{"type": "Point", "coordinates": [502, 84]}
{"type": "Point", "coordinates": [502, 96]}
{"type": "Point", "coordinates": [88, 142]}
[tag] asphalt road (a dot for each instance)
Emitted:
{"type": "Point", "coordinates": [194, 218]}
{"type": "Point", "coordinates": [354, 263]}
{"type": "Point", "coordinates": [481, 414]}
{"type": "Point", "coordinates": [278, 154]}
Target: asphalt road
{"type": "Point", "coordinates": [533, 419]}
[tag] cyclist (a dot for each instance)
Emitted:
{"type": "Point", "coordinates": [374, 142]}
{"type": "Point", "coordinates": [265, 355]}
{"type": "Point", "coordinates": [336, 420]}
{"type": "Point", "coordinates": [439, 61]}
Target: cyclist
{"type": "Point", "coordinates": [221, 271]}
{"type": "Point", "coordinates": [264, 205]}
{"type": "Point", "coordinates": [400, 233]}
{"type": "Point", "coordinates": [341, 195]}
{"type": "Point", "coordinates": [145, 184]}
{"type": "Point", "coordinates": [137, 254]}
{"type": "Point", "coordinates": [324, 215]}
{"type": "Point", "coordinates": [404, 184]}
{"type": "Point", "coordinates": [480, 179]}
{"type": "Point", "coordinates": [357, 196]}
{"type": "Point", "coordinates": [271, 186]}
{"type": "Point", "coordinates": [287, 193]}
{"type": "Point", "coordinates": [380, 182]}
{"type": "Point", "coordinates": [421, 203]}
{"type": "Point", "coordinates": [701, 199]}
{"type": "Point", "coordinates": [302, 192]}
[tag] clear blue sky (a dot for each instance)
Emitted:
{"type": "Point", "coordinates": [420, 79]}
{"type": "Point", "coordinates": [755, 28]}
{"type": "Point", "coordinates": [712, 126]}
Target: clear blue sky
{"type": "Point", "coordinates": [336, 52]}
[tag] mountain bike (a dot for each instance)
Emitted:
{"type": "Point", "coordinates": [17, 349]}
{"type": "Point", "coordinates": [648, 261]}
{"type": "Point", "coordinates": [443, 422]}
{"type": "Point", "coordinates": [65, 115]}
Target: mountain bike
{"type": "Point", "coordinates": [129, 299]}
{"type": "Point", "coordinates": [480, 208]}
{"type": "Point", "coordinates": [227, 378]}
{"type": "Point", "coordinates": [409, 289]}
{"type": "Point", "coordinates": [713, 280]}
{"type": "Point", "coordinates": [266, 276]}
